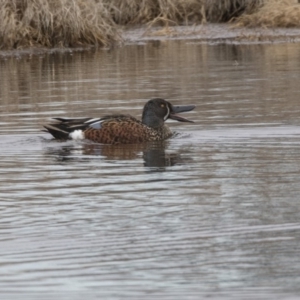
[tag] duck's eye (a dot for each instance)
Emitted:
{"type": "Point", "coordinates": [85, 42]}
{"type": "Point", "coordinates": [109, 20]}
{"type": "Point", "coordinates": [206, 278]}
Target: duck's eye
{"type": "Point", "coordinates": [162, 105]}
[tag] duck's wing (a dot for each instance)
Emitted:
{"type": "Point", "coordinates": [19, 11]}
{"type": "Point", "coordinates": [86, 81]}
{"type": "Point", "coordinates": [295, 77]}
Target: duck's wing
{"type": "Point", "coordinates": [119, 129]}
{"type": "Point", "coordinates": [66, 128]}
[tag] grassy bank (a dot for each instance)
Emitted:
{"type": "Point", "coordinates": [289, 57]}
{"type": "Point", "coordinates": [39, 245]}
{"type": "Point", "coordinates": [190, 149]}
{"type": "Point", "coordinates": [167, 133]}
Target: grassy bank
{"type": "Point", "coordinates": [73, 23]}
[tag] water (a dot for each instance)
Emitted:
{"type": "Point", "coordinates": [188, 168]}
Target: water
{"type": "Point", "coordinates": [213, 212]}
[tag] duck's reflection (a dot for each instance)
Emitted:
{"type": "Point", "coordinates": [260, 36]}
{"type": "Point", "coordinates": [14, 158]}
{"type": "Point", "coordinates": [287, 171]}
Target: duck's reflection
{"type": "Point", "coordinates": [154, 154]}
{"type": "Point", "coordinates": [158, 157]}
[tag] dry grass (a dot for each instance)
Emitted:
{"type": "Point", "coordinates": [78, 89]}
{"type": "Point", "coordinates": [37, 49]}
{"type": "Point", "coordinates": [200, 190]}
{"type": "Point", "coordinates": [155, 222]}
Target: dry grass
{"type": "Point", "coordinates": [55, 23]}
{"type": "Point", "coordinates": [223, 11]}
{"type": "Point", "coordinates": [273, 13]}
{"type": "Point", "coordinates": [170, 12]}
{"type": "Point", "coordinates": [132, 12]}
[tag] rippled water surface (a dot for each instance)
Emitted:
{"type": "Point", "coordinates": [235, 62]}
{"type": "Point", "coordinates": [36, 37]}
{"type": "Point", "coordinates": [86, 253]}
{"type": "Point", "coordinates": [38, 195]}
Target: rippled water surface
{"type": "Point", "coordinates": [213, 212]}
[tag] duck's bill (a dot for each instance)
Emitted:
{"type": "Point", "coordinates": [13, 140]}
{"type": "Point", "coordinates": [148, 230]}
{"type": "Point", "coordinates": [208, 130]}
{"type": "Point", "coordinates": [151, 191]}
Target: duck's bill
{"type": "Point", "coordinates": [179, 109]}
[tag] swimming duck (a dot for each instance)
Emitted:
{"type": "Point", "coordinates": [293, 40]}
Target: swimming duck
{"type": "Point", "coordinates": [122, 129]}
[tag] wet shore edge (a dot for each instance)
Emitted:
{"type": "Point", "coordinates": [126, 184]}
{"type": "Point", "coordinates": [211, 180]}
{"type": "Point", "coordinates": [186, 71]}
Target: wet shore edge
{"type": "Point", "coordinates": [213, 33]}
{"type": "Point", "coordinates": [207, 33]}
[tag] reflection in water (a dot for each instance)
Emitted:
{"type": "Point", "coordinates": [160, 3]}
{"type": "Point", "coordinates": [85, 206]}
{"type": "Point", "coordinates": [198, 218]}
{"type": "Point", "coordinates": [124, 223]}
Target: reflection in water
{"type": "Point", "coordinates": [223, 80]}
{"type": "Point", "coordinates": [154, 154]}
{"type": "Point", "coordinates": [157, 157]}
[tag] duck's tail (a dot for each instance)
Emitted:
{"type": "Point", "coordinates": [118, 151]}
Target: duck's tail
{"type": "Point", "coordinates": [65, 129]}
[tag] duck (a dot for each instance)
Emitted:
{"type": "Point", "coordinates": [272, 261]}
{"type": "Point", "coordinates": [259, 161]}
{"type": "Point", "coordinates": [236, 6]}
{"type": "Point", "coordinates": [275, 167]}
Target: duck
{"type": "Point", "coordinates": [121, 128]}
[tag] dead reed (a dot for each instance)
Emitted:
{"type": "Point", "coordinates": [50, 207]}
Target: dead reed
{"type": "Point", "coordinates": [223, 11]}
{"type": "Point", "coordinates": [273, 13]}
{"type": "Point", "coordinates": [133, 12]}
{"type": "Point", "coordinates": [54, 23]}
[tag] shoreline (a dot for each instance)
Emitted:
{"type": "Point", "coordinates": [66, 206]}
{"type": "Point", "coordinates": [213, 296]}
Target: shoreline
{"type": "Point", "coordinates": [213, 33]}
{"type": "Point", "coordinates": [206, 34]}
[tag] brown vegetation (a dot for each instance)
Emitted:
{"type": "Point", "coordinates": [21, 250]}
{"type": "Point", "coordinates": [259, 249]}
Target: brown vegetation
{"type": "Point", "coordinates": [223, 11]}
{"type": "Point", "coordinates": [67, 23]}
{"type": "Point", "coordinates": [131, 12]}
{"type": "Point", "coordinates": [273, 13]}
{"type": "Point", "coordinates": [126, 12]}
{"type": "Point", "coordinates": [73, 23]}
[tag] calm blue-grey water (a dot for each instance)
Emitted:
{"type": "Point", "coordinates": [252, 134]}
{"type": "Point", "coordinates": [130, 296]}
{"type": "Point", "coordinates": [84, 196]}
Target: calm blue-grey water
{"type": "Point", "coordinates": [213, 212]}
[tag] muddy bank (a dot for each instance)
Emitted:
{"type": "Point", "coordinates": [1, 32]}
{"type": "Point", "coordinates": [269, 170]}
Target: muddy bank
{"type": "Point", "coordinates": [212, 33]}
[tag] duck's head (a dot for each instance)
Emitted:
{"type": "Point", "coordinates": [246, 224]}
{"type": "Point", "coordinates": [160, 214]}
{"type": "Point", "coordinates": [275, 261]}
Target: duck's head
{"type": "Point", "coordinates": [157, 111]}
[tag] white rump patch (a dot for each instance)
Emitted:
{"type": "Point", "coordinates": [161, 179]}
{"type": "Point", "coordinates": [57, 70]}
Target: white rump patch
{"type": "Point", "coordinates": [77, 135]}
